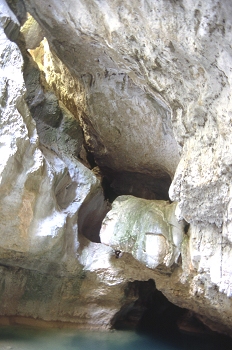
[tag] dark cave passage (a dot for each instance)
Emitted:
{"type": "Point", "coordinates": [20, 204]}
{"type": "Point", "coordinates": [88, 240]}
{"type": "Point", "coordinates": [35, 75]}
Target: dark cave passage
{"type": "Point", "coordinates": [114, 184]}
{"type": "Point", "coordinates": [140, 185]}
{"type": "Point", "coordinates": [153, 314]}
{"type": "Point", "coordinates": [91, 215]}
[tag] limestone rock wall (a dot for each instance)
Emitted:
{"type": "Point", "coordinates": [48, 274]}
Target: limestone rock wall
{"type": "Point", "coordinates": [43, 185]}
{"type": "Point", "coordinates": [111, 87]}
{"type": "Point", "coordinates": [173, 61]}
{"type": "Point", "coordinates": [154, 98]}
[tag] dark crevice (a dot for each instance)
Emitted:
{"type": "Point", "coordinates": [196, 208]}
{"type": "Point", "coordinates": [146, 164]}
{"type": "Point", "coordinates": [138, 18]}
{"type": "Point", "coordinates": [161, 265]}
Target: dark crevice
{"type": "Point", "coordinates": [86, 157]}
{"type": "Point", "coordinates": [109, 192]}
{"type": "Point", "coordinates": [150, 312]}
{"type": "Point", "coordinates": [91, 215]}
{"type": "Point", "coordinates": [91, 160]}
{"type": "Point", "coordinates": [186, 228]}
{"type": "Point", "coordinates": [114, 184]}
{"type": "Point", "coordinates": [137, 184]}
{"type": "Point", "coordinates": [117, 183]}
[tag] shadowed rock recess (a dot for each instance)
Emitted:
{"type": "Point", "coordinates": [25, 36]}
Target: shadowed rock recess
{"type": "Point", "coordinates": [115, 172]}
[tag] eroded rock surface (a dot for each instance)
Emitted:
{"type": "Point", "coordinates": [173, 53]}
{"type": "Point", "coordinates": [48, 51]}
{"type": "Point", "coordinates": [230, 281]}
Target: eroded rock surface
{"type": "Point", "coordinates": [176, 67]}
{"type": "Point", "coordinates": [148, 230]}
{"type": "Point", "coordinates": [42, 187]}
{"type": "Point", "coordinates": [153, 82]}
{"type": "Point", "coordinates": [119, 109]}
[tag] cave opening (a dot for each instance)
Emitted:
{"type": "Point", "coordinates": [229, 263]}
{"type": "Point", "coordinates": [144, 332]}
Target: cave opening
{"type": "Point", "coordinates": [114, 184]}
{"type": "Point", "coordinates": [146, 185]}
{"type": "Point", "coordinates": [147, 311]}
{"type": "Point", "coordinates": [151, 312]}
{"type": "Point", "coordinates": [141, 185]}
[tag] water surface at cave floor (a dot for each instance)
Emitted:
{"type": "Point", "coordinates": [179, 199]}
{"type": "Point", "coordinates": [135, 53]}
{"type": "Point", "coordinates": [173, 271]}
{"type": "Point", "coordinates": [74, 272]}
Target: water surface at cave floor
{"type": "Point", "coordinates": [22, 338]}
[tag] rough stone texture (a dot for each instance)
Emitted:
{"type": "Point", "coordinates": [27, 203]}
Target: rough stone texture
{"type": "Point", "coordinates": [68, 89]}
{"type": "Point", "coordinates": [151, 75]}
{"type": "Point", "coordinates": [176, 65]}
{"type": "Point", "coordinates": [148, 230]}
{"type": "Point", "coordinates": [114, 137]}
{"type": "Point", "coordinates": [42, 187]}
{"type": "Point", "coordinates": [32, 32]}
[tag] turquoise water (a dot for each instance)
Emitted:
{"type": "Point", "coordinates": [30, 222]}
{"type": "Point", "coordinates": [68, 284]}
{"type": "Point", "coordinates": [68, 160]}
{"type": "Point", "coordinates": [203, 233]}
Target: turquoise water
{"type": "Point", "coordinates": [18, 338]}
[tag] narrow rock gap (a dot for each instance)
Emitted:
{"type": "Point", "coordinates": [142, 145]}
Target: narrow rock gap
{"type": "Point", "coordinates": [114, 184]}
{"type": "Point", "coordinates": [91, 215]}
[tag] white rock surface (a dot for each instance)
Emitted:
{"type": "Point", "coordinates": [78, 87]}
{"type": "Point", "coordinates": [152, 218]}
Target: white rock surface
{"type": "Point", "coordinates": [31, 181]}
{"type": "Point", "coordinates": [42, 189]}
{"type": "Point", "coordinates": [147, 229]}
{"type": "Point", "coordinates": [154, 75]}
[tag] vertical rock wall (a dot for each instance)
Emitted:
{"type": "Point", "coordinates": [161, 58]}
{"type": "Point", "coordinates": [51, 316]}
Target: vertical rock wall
{"type": "Point", "coordinates": [43, 185]}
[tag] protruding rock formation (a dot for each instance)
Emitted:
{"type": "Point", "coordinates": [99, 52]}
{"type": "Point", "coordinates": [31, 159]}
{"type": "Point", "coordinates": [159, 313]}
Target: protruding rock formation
{"type": "Point", "coordinates": [146, 229]}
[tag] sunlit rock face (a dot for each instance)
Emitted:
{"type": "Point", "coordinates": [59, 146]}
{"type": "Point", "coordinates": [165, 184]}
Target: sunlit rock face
{"type": "Point", "coordinates": [35, 182]}
{"type": "Point", "coordinates": [43, 185]}
{"type": "Point", "coordinates": [148, 82]}
{"type": "Point", "coordinates": [148, 230]}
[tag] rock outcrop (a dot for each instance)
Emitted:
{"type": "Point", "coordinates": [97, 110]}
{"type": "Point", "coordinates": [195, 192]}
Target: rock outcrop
{"type": "Point", "coordinates": [146, 229]}
{"type": "Point", "coordinates": [139, 93]}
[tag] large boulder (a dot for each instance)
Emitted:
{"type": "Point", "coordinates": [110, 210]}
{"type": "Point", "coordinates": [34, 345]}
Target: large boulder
{"type": "Point", "coordinates": [147, 229]}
